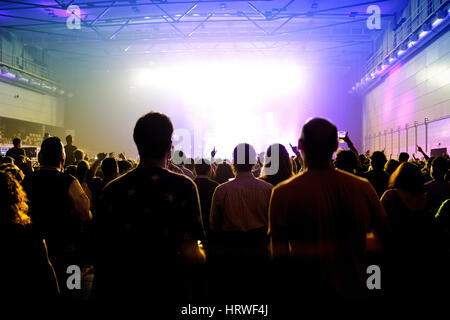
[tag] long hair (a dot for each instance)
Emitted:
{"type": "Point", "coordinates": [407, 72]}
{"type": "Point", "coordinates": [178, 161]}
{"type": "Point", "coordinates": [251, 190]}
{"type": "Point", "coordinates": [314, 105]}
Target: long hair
{"type": "Point", "coordinates": [284, 171]}
{"type": "Point", "coordinates": [13, 201]}
{"type": "Point", "coordinates": [223, 172]}
{"type": "Point", "coordinates": [407, 177]}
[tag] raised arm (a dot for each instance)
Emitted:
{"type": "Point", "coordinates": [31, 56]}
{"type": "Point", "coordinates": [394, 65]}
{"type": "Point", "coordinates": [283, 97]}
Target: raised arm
{"type": "Point", "coordinates": [423, 153]}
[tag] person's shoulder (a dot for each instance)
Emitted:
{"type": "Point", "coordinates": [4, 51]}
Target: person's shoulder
{"type": "Point", "coordinates": [351, 178]}
{"type": "Point", "coordinates": [264, 184]}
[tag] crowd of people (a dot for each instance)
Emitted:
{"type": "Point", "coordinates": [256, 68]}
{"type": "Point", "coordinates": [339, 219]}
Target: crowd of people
{"type": "Point", "coordinates": [173, 228]}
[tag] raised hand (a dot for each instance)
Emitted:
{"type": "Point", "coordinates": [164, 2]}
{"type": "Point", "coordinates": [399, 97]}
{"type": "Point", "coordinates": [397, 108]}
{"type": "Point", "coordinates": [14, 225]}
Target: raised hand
{"type": "Point", "coordinates": [295, 150]}
{"type": "Point", "coordinates": [101, 156]}
{"type": "Point", "coordinates": [213, 152]}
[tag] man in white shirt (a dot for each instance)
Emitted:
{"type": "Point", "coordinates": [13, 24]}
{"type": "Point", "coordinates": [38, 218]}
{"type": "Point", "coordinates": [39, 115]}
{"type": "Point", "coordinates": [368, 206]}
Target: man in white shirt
{"type": "Point", "coordinates": [241, 204]}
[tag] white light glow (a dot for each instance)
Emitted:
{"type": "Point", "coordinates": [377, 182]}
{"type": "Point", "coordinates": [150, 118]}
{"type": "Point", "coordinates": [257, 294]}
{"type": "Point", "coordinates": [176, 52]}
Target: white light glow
{"type": "Point", "coordinates": [216, 91]}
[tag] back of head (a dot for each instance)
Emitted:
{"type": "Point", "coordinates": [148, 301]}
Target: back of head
{"type": "Point", "coordinates": [109, 168]}
{"type": "Point", "coordinates": [78, 154]}
{"type": "Point", "coordinates": [408, 178]}
{"type": "Point", "coordinates": [244, 157]}
{"type": "Point", "coordinates": [346, 160]}
{"type": "Point", "coordinates": [318, 140]}
{"type": "Point", "coordinates": [52, 152]}
{"type": "Point", "coordinates": [223, 172]}
{"type": "Point", "coordinates": [69, 139]}
{"type": "Point", "coordinates": [16, 142]}
{"type": "Point", "coordinates": [281, 155]}
{"type": "Point", "coordinates": [378, 160]}
{"type": "Point", "coordinates": [439, 168]}
{"type": "Point", "coordinates": [403, 157]}
{"type": "Point", "coordinates": [391, 166]}
{"type": "Point", "coordinates": [153, 135]}
{"type": "Point", "coordinates": [202, 167]}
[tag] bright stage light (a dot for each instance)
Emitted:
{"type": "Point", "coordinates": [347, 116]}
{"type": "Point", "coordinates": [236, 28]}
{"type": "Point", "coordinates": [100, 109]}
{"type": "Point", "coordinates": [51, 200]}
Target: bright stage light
{"type": "Point", "coordinates": [231, 101]}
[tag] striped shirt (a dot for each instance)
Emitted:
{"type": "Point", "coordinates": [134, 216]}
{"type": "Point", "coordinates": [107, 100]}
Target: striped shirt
{"type": "Point", "coordinates": [241, 204]}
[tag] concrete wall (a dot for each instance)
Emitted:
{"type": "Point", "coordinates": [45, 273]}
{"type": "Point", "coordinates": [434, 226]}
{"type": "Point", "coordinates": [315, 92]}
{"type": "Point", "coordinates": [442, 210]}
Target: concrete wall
{"type": "Point", "coordinates": [23, 104]}
{"type": "Point", "coordinates": [418, 89]}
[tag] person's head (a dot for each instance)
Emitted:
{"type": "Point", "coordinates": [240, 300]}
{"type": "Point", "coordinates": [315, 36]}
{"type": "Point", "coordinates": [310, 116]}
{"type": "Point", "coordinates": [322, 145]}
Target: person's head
{"type": "Point", "coordinates": [78, 154]}
{"type": "Point", "coordinates": [439, 168]}
{"type": "Point", "coordinates": [110, 168]}
{"type": "Point", "coordinates": [403, 157]}
{"type": "Point", "coordinates": [124, 166]}
{"type": "Point", "coordinates": [318, 141]}
{"type": "Point", "coordinates": [223, 172]}
{"type": "Point", "coordinates": [244, 157]}
{"type": "Point", "coordinates": [16, 142]}
{"type": "Point", "coordinates": [69, 140]}
{"type": "Point", "coordinates": [153, 135]}
{"type": "Point", "coordinates": [52, 153]}
{"type": "Point", "coordinates": [13, 202]}
{"type": "Point", "coordinates": [82, 169]}
{"type": "Point", "coordinates": [407, 177]}
{"type": "Point", "coordinates": [346, 160]}
{"type": "Point", "coordinates": [283, 169]}
{"type": "Point", "coordinates": [71, 169]}
{"type": "Point", "coordinates": [202, 167]}
{"type": "Point", "coordinates": [378, 160]}
{"type": "Point", "coordinates": [391, 166]}
{"type": "Point", "coordinates": [7, 159]}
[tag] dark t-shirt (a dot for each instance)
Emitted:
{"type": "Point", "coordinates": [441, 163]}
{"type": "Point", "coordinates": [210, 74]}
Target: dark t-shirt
{"type": "Point", "coordinates": [206, 188]}
{"type": "Point", "coordinates": [143, 218]}
{"type": "Point", "coordinates": [51, 209]}
{"type": "Point", "coordinates": [379, 180]}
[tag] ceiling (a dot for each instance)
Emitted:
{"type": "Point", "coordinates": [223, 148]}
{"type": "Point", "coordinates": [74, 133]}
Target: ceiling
{"type": "Point", "coordinates": [318, 29]}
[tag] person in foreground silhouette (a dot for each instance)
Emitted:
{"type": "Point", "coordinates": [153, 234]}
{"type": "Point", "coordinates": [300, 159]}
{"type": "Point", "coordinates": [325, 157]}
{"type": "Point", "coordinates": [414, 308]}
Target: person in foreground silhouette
{"type": "Point", "coordinates": [28, 274]}
{"type": "Point", "coordinates": [319, 221]}
{"type": "Point", "coordinates": [58, 205]}
{"type": "Point", "coordinates": [238, 223]}
{"type": "Point", "coordinates": [148, 225]}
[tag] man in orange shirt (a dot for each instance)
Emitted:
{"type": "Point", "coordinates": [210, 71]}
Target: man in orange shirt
{"type": "Point", "coordinates": [319, 220]}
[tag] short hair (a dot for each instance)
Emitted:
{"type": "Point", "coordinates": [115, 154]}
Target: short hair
{"type": "Point", "coordinates": [391, 166]}
{"type": "Point", "coordinates": [378, 160]}
{"type": "Point", "coordinates": [109, 167]}
{"type": "Point", "coordinates": [439, 168]}
{"type": "Point", "coordinates": [69, 138]}
{"type": "Point", "coordinates": [51, 153]}
{"type": "Point", "coordinates": [403, 157]}
{"type": "Point", "coordinates": [346, 160]}
{"type": "Point", "coordinates": [78, 154]}
{"type": "Point", "coordinates": [202, 167]}
{"type": "Point", "coordinates": [153, 135]}
{"type": "Point", "coordinates": [407, 177]}
{"type": "Point", "coordinates": [244, 157]}
{"type": "Point", "coordinates": [319, 139]}
{"type": "Point", "coordinates": [16, 141]}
